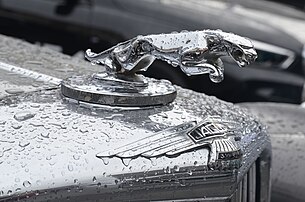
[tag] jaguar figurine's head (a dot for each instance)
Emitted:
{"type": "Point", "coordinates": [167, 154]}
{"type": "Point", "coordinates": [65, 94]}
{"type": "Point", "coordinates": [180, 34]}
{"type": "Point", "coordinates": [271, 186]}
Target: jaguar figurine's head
{"type": "Point", "coordinates": [239, 48]}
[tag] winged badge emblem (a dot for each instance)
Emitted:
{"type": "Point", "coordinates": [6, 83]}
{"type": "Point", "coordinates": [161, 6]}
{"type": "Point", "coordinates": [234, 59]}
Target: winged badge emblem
{"type": "Point", "coordinates": [213, 133]}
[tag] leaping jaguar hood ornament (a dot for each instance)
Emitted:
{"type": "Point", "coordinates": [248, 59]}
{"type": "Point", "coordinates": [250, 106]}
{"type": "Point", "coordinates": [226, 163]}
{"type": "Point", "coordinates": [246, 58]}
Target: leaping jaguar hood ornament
{"type": "Point", "coordinates": [195, 52]}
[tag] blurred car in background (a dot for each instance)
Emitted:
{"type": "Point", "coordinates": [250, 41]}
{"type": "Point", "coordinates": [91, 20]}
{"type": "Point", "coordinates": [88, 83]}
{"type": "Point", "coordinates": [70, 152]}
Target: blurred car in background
{"type": "Point", "coordinates": [73, 26]}
{"type": "Point", "coordinates": [295, 3]}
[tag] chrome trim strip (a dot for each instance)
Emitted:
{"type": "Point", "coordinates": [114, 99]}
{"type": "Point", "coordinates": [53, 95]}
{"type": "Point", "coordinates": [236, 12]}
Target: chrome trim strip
{"type": "Point", "coordinates": [252, 183]}
{"type": "Point", "coordinates": [245, 188]}
{"type": "Point", "coordinates": [275, 49]}
{"type": "Point", "coordinates": [265, 175]}
{"type": "Point", "coordinates": [29, 73]}
{"type": "Point", "coordinates": [303, 63]}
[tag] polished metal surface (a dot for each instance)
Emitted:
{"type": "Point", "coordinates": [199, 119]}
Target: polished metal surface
{"type": "Point", "coordinates": [109, 89]}
{"type": "Point", "coordinates": [54, 148]}
{"type": "Point", "coordinates": [195, 53]}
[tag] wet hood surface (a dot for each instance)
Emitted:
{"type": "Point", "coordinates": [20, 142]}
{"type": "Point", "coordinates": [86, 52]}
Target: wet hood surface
{"type": "Point", "coordinates": [48, 141]}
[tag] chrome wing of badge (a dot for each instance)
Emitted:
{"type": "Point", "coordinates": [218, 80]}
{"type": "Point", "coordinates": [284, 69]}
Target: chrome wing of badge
{"type": "Point", "coordinates": [196, 52]}
{"type": "Point", "coordinates": [214, 133]}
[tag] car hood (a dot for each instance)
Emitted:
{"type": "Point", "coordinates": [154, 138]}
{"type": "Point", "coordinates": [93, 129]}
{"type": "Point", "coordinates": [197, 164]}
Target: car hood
{"type": "Point", "coordinates": [53, 147]}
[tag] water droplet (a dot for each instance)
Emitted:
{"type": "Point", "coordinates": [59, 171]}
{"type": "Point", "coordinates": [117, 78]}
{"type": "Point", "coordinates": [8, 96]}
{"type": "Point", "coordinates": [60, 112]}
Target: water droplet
{"type": "Point", "coordinates": [176, 168]}
{"type": "Point", "coordinates": [27, 184]}
{"type": "Point", "coordinates": [49, 157]}
{"type": "Point", "coordinates": [290, 142]}
{"type": "Point", "coordinates": [126, 161]}
{"type": "Point", "coordinates": [35, 105]}
{"type": "Point", "coordinates": [45, 135]}
{"type": "Point", "coordinates": [105, 161]}
{"type": "Point", "coordinates": [44, 116]}
{"type": "Point", "coordinates": [76, 156]}
{"type": "Point", "coordinates": [94, 179]}
{"type": "Point", "coordinates": [94, 62]}
{"type": "Point", "coordinates": [70, 167]}
{"type": "Point", "coordinates": [14, 91]}
{"type": "Point", "coordinates": [24, 143]}
{"type": "Point", "coordinates": [83, 130]}
{"type": "Point", "coordinates": [16, 126]}
{"type": "Point", "coordinates": [37, 124]}
{"type": "Point", "coordinates": [66, 113]}
{"type": "Point", "coordinates": [153, 161]}
{"type": "Point", "coordinates": [166, 170]}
